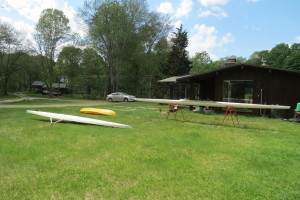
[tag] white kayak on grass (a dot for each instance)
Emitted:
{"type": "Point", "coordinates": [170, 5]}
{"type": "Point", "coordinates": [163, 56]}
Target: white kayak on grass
{"type": "Point", "coordinates": [212, 103]}
{"type": "Point", "coordinates": [78, 119]}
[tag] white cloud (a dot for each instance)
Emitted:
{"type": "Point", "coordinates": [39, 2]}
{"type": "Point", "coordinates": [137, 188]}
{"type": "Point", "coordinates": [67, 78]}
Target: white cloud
{"type": "Point", "coordinates": [204, 38]}
{"type": "Point", "coordinates": [165, 8]}
{"type": "Point", "coordinates": [215, 12]}
{"type": "Point", "coordinates": [253, 0]}
{"type": "Point", "coordinates": [184, 9]}
{"type": "Point", "coordinates": [25, 29]}
{"type": "Point", "coordinates": [228, 38]}
{"type": "Point", "coordinates": [297, 38]}
{"type": "Point", "coordinates": [177, 24]}
{"type": "Point", "coordinates": [213, 2]}
{"type": "Point", "coordinates": [5, 19]}
{"type": "Point", "coordinates": [31, 10]}
{"type": "Point", "coordinates": [252, 28]}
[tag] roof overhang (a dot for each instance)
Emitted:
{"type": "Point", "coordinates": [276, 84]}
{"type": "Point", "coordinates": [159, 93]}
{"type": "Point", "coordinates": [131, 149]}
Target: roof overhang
{"type": "Point", "coordinates": [172, 79]}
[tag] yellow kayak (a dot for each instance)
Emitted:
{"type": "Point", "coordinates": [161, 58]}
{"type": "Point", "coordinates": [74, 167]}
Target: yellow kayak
{"type": "Point", "coordinates": [97, 111]}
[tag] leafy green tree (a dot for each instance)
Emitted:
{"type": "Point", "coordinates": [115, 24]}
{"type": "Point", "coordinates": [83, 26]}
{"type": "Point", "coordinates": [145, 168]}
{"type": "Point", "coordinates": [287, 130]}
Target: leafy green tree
{"type": "Point", "coordinates": [201, 62]}
{"type": "Point", "coordinates": [278, 54]}
{"type": "Point", "coordinates": [69, 61]}
{"type": "Point", "coordinates": [258, 57]}
{"type": "Point", "coordinates": [52, 30]}
{"type": "Point", "coordinates": [11, 49]}
{"type": "Point", "coordinates": [151, 33]}
{"type": "Point", "coordinates": [178, 62]}
{"type": "Point", "coordinates": [112, 30]}
{"type": "Point", "coordinates": [293, 61]}
{"type": "Point", "coordinates": [295, 47]}
{"type": "Point", "coordinates": [93, 76]}
{"type": "Point", "coordinates": [29, 70]}
{"type": "Point", "coordinates": [155, 28]}
{"type": "Point", "coordinates": [122, 31]}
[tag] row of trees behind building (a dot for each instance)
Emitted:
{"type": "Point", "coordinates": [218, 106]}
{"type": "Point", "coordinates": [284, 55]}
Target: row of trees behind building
{"type": "Point", "coordinates": [126, 50]}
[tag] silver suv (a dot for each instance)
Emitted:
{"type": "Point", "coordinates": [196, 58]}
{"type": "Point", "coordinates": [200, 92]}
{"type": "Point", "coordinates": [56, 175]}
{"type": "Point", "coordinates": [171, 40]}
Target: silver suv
{"type": "Point", "coordinates": [119, 96]}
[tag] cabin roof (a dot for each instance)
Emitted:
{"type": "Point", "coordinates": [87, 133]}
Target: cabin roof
{"type": "Point", "coordinates": [236, 66]}
{"type": "Point", "coordinates": [172, 79]}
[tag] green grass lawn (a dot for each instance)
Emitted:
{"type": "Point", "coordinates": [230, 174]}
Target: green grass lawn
{"type": "Point", "coordinates": [195, 158]}
{"type": "Point", "coordinates": [8, 97]}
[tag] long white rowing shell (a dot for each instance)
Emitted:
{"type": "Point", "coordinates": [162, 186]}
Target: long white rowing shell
{"type": "Point", "coordinates": [73, 118]}
{"type": "Point", "coordinates": [212, 103]}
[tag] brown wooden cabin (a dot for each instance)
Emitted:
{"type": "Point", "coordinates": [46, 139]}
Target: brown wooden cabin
{"type": "Point", "coordinates": [61, 87]}
{"type": "Point", "coordinates": [245, 84]}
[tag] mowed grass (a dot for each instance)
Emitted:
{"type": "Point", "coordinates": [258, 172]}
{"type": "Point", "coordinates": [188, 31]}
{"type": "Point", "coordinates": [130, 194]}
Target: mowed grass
{"type": "Point", "coordinates": [195, 158]}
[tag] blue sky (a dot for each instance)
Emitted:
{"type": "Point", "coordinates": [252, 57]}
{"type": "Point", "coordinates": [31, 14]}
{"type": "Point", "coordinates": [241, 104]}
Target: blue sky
{"type": "Point", "coordinates": [220, 27]}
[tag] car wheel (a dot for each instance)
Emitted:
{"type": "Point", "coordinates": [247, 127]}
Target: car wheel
{"type": "Point", "coordinates": [110, 100]}
{"type": "Point", "coordinates": [125, 100]}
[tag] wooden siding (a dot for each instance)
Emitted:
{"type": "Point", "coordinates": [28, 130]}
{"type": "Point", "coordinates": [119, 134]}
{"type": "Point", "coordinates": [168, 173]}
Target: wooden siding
{"type": "Point", "coordinates": [278, 86]}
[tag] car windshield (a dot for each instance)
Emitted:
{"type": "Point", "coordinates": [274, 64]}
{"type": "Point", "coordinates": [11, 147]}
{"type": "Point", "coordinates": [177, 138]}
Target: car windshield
{"type": "Point", "coordinates": [123, 93]}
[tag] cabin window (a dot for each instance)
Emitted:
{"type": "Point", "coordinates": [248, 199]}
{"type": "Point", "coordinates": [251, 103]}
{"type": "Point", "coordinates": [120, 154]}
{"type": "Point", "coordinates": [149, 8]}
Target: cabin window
{"type": "Point", "coordinates": [182, 91]}
{"type": "Point", "coordinates": [240, 91]}
{"type": "Point", "coordinates": [196, 91]}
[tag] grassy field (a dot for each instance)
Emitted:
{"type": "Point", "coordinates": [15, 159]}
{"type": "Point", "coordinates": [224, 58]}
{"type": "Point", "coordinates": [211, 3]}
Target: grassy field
{"type": "Point", "coordinates": [195, 158]}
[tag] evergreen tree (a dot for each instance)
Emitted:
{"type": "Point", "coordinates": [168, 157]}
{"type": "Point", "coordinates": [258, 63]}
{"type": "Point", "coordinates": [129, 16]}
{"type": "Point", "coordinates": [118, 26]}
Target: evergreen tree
{"type": "Point", "coordinates": [178, 62]}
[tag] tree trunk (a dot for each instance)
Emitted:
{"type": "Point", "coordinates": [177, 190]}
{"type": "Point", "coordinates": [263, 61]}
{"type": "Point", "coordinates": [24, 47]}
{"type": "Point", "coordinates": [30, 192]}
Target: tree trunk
{"type": "Point", "coordinates": [5, 85]}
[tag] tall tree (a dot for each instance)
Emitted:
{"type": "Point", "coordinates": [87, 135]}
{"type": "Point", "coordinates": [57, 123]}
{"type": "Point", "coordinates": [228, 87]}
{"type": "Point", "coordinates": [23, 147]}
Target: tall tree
{"type": "Point", "coordinates": [52, 30]}
{"type": "Point", "coordinates": [155, 28]}
{"type": "Point", "coordinates": [29, 70]}
{"type": "Point", "coordinates": [111, 29]}
{"type": "Point", "coordinates": [68, 63]}
{"type": "Point", "coordinates": [93, 73]}
{"type": "Point", "coordinates": [178, 62]}
{"type": "Point", "coordinates": [162, 50]}
{"type": "Point", "coordinates": [120, 30]}
{"type": "Point", "coordinates": [11, 49]}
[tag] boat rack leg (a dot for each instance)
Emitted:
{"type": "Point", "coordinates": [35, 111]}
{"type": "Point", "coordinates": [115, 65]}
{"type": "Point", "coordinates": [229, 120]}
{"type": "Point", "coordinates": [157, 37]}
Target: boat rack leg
{"type": "Point", "coordinates": [181, 108]}
{"type": "Point", "coordinates": [229, 111]}
{"type": "Point", "coordinates": [54, 122]}
{"type": "Point", "coordinates": [175, 108]}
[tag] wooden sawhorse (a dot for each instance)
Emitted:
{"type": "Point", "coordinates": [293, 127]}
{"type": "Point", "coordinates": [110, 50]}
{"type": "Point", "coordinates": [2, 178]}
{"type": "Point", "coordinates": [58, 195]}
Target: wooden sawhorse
{"type": "Point", "coordinates": [230, 111]}
{"type": "Point", "coordinates": [175, 108]}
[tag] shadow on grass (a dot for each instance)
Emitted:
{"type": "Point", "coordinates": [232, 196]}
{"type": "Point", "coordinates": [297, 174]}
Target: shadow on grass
{"type": "Point", "coordinates": [238, 126]}
{"type": "Point", "coordinates": [69, 122]}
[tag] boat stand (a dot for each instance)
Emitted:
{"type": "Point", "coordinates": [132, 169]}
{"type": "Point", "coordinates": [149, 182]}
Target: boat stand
{"type": "Point", "coordinates": [54, 122]}
{"type": "Point", "coordinates": [175, 108]}
{"type": "Point", "coordinates": [230, 111]}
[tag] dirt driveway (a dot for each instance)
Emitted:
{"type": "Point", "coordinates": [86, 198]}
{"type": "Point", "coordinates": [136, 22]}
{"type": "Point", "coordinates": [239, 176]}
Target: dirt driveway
{"type": "Point", "coordinates": [22, 97]}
